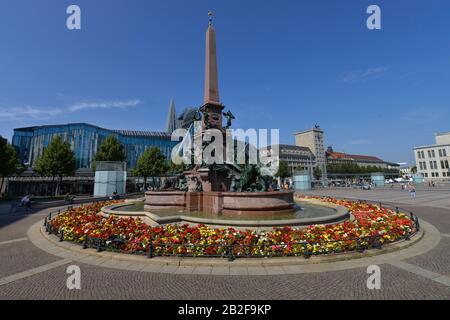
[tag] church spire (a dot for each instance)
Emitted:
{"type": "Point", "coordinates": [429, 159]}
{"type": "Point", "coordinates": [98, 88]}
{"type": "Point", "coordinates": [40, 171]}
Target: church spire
{"type": "Point", "coordinates": [211, 77]}
{"type": "Point", "coordinates": [171, 117]}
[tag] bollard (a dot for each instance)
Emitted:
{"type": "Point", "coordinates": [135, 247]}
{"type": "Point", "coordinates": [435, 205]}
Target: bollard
{"type": "Point", "coordinates": [376, 243]}
{"type": "Point", "coordinates": [99, 245]}
{"type": "Point", "coordinates": [306, 253]}
{"type": "Point", "coordinates": [150, 251]}
{"type": "Point", "coordinates": [61, 236]}
{"type": "Point", "coordinates": [45, 222]}
{"type": "Point", "coordinates": [359, 247]}
{"type": "Point", "coordinates": [408, 236]}
{"type": "Point", "coordinates": [230, 253]}
{"type": "Point", "coordinates": [85, 242]}
{"type": "Point", "coordinates": [397, 210]}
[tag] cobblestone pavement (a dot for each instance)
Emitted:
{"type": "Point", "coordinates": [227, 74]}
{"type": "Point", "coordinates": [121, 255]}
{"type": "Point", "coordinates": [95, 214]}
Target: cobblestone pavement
{"type": "Point", "coordinates": [26, 272]}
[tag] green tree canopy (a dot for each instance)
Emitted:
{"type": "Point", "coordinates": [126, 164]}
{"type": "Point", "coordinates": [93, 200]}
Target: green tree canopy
{"type": "Point", "coordinates": [152, 163]}
{"type": "Point", "coordinates": [176, 168]}
{"type": "Point", "coordinates": [355, 168]}
{"type": "Point", "coordinates": [317, 173]}
{"type": "Point", "coordinates": [111, 150]}
{"type": "Point", "coordinates": [283, 170]}
{"type": "Point", "coordinates": [57, 161]}
{"type": "Point", "coordinates": [9, 161]}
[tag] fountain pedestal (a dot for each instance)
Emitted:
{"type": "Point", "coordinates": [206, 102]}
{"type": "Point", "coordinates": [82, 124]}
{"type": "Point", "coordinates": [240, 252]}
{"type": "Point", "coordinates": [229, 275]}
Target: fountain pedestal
{"type": "Point", "coordinates": [227, 203]}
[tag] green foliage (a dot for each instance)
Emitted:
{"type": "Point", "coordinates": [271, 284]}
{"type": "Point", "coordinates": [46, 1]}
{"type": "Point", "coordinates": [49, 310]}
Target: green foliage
{"type": "Point", "coordinates": [152, 163]}
{"type": "Point", "coordinates": [9, 161]}
{"type": "Point", "coordinates": [176, 168]}
{"type": "Point", "coordinates": [111, 150]}
{"type": "Point", "coordinates": [317, 173]}
{"type": "Point", "coordinates": [57, 160]}
{"type": "Point", "coordinates": [283, 170]}
{"type": "Point", "coordinates": [355, 168]}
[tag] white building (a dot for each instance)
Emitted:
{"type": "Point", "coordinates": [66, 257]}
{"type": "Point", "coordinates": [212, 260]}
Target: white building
{"type": "Point", "coordinates": [313, 139]}
{"type": "Point", "coordinates": [433, 161]}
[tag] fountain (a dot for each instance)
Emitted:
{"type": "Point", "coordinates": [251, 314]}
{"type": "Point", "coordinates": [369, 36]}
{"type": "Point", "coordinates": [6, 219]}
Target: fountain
{"type": "Point", "coordinates": [213, 188]}
{"type": "Point", "coordinates": [224, 193]}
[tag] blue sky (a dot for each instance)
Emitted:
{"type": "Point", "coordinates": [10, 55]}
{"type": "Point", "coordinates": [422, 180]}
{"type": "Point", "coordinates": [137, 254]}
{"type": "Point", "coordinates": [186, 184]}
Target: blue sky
{"type": "Point", "coordinates": [285, 64]}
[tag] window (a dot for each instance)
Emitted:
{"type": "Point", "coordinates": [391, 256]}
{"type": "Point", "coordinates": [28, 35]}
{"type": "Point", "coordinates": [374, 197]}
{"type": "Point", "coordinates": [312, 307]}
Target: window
{"type": "Point", "coordinates": [431, 165]}
{"type": "Point", "coordinates": [444, 152]}
{"type": "Point", "coordinates": [440, 153]}
{"type": "Point", "coordinates": [433, 154]}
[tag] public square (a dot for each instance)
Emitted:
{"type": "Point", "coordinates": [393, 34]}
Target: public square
{"type": "Point", "coordinates": [27, 272]}
{"type": "Point", "coordinates": [190, 150]}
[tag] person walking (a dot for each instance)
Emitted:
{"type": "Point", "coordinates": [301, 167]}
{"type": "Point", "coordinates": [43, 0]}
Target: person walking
{"type": "Point", "coordinates": [412, 191]}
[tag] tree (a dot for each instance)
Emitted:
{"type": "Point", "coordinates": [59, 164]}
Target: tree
{"type": "Point", "coordinates": [152, 163]}
{"type": "Point", "coordinates": [317, 173]}
{"type": "Point", "coordinates": [9, 161]}
{"type": "Point", "coordinates": [57, 161]}
{"type": "Point", "coordinates": [110, 150]}
{"type": "Point", "coordinates": [176, 168]}
{"type": "Point", "coordinates": [283, 170]}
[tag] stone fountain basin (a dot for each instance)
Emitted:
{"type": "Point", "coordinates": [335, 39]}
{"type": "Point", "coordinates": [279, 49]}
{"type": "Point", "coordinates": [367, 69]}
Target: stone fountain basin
{"type": "Point", "coordinates": [226, 203]}
{"type": "Point", "coordinates": [341, 214]}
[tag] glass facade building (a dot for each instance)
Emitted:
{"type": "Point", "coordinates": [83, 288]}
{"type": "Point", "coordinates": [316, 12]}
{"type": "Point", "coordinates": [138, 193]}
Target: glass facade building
{"type": "Point", "coordinates": [85, 139]}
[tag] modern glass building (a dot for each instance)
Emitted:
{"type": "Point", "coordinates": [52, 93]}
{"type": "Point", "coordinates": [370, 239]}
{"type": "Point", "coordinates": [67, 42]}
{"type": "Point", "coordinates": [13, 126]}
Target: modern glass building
{"type": "Point", "coordinates": [85, 140]}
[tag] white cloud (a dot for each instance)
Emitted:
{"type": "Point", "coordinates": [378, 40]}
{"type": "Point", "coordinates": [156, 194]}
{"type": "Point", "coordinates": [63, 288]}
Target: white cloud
{"type": "Point", "coordinates": [363, 75]}
{"type": "Point", "coordinates": [104, 105]}
{"type": "Point", "coordinates": [31, 112]}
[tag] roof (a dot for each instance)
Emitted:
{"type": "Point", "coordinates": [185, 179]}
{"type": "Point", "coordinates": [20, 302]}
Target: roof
{"type": "Point", "coordinates": [316, 129]}
{"type": "Point", "coordinates": [133, 133]}
{"type": "Point", "coordinates": [291, 147]}
{"type": "Point", "coordinates": [341, 155]}
{"type": "Point", "coordinates": [431, 146]}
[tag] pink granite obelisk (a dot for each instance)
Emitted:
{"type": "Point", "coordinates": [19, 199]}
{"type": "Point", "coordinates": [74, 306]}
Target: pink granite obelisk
{"type": "Point", "coordinates": [211, 77]}
{"type": "Point", "coordinates": [212, 107]}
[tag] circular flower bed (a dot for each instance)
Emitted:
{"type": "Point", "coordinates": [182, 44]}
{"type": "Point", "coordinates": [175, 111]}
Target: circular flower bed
{"type": "Point", "coordinates": [372, 223]}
